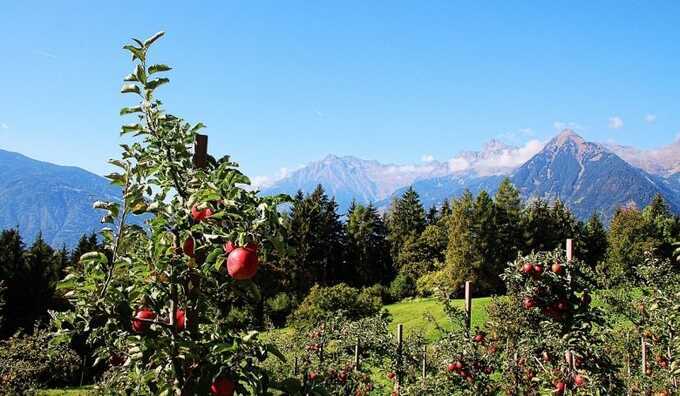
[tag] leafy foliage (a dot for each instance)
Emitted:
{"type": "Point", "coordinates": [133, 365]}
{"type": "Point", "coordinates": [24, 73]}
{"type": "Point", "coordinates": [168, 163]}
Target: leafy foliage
{"type": "Point", "coordinates": [173, 270]}
{"type": "Point", "coordinates": [29, 362]}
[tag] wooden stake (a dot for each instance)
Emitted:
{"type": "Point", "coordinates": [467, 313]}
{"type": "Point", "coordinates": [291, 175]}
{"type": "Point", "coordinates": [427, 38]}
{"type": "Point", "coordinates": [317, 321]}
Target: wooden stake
{"type": "Point", "coordinates": [400, 345]}
{"type": "Point", "coordinates": [468, 308]}
{"type": "Point", "coordinates": [570, 249]}
{"type": "Point", "coordinates": [295, 366]}
{"type": "Point", "coordinates": [424, 368]}
{"type": "Point", "coordinates": [356, 356]}
{"type": "Point", "coordinates": [200, 159]}
{"type": "Point", "coordinates": [644, 355]}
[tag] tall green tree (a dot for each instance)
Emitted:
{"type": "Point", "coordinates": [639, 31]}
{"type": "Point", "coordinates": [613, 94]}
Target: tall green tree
{"type": "Point", "coordinates": [462, 258]}
{"type": "Point", "coordinates": [318, 237]}
{"type": "Point", "coordinates": [664, 226]}
{"type": "Point", "coordinates": [594, 237]}
{"type": "Point", "coordinates": [507, 212]}
{"type": "Point", "coordinates": [368, 251]}
{"type": "Point", "coordinates": [406, 219]}
{"type": "Point", "coordinates": [628, 240]}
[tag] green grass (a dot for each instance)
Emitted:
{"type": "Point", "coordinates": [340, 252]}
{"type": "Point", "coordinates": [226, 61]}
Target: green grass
{"type": "Point", "coordinates": [413, 314]}
{"type": "Point", "coordinates": [80, 391]}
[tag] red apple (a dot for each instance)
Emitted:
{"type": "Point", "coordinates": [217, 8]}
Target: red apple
{"type": "Point", "coordinates": [557, 267]}
{"type": "Point", "coordinates": [458, 365]}
{"type": "Point", "coordinates": [579, 380]}
{"type": "Point", "coordinates": [180, 319]}
{"type": "Point", "coordinates": [391, 375]}
{"type": "Point", "coordinates": [451, 367]}
{"type": "Point", "coordinates": [139, 326]}
{"type": "Point", "coordinates": [478, 338]}
{"type": "Point", "coordinates": [200, 214]}
{"type": "Point", "coordinates": [222, 387]}
{"type": "Point", "coordinates": [312, 376]}
{"type": "Point", "coordinates": [527, 268]}
{"type": "Point", "coordinates": [538, 269]}
{"type": "Point", "coordinates": [188, 247]}
{"type": "Point", "coordinates": [528, 303]}
{"type": "Point", "coordinates": [560, 387]}
{"type": "Point", "coordinates": [563, 305]}
{"type": "Point", "coordinates": [242, 263]}
{"type": "Point", "coordinates": [229, 247]}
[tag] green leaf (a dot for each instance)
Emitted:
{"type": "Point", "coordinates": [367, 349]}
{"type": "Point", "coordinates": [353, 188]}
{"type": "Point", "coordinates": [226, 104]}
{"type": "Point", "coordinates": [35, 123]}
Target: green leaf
{"type": "Point", "coordinates": [141, 74]}
{"type": "Point", "coordinates": [130, 128]}
{"type": "Point", "coordinates": [130, 110]}
{"type": "Point", "coordinates": [128, 88]}
{"type": "Point", "coordinates": [130, 77]}
{"type": "Point", "coordinates": [155, 83]}
{"type": "Point", "coordinates": [158, 68]}
{"type": "Point", "coordinates": [136, 52]}
{"type": "Point", "coordinates": [153, 38]}
{"type": "Point", "coordinates": [219, 262]}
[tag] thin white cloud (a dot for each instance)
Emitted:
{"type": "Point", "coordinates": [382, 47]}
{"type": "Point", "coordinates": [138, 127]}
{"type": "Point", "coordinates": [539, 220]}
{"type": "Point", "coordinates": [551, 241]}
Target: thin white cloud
{"type": "Point", "coordinates": [45, 54]}
{"type": "Point", "coordinates": [500, 162]}
{"type": "Point", "coordinates": [650, 118]}
{"type": "Point", "coordinates": [427, 158]}
{"type": "Point", "coordinates": [561, 125]}
{"type": "Point", "coordinates": [3, 125]}
{"type": "Point", "coordinates": [261, 182]}
{"type": "Point", "coordinates": [458, 164]}
{"type": "Point", "coordinates": [615, 122]}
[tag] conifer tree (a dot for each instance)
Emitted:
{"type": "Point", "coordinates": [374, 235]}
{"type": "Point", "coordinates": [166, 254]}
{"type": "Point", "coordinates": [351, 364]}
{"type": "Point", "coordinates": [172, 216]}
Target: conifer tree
{"type": "Point", "coordinates": [462, 259]}
{"type": "Point", "coordinates": [368, 252]}
{"type": "Point", "coordinates": [507, 225]}
{"type": "Point", "coordinates": [317, 236]}
{"type": "Point", "coordinates": [406, 219]}
{"type": "Point", "coordinates": [594, 237]}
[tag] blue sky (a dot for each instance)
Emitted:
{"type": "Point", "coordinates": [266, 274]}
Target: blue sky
{"type": "Point", "coordinates": [280, 84]}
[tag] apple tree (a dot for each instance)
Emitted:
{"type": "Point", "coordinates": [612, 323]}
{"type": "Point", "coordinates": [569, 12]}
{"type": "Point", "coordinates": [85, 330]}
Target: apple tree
{"type": "Point", "coordinates": [549, 335]}
{"type": "Point", "coordinates": [155, 306]}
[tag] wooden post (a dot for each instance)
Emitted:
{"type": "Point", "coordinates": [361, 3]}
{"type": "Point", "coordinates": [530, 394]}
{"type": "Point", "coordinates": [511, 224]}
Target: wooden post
{"type": "Point", "coordinates": [295, 366]}
{"type": "Point", "coordinates": [644, 355]}
{"type": "Point", "coordinates": [468, 308]}
{"type": "Point", "coordinates": [200, 159]}
{"type": "Point", "coordinates": [424, 368]}
{"type": "Point", "coordinates": [570, 249]}
{"type": "Point", "coordinates": [400, 345]}
{"type": "Point", "coordinates": [356, 356]}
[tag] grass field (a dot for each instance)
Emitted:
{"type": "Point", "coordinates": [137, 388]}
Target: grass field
{"type": "Point", "coordinates": [412, 313]}
{"type": "Point", "coordinates": [81, 391]}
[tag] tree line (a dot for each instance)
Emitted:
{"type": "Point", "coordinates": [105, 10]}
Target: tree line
{"type": "Point", "coordinates": [29, 277]}
{"type": "Point", "coordinates": [408, 250]}
{"type": "Point", "coordinates": [411, 249]}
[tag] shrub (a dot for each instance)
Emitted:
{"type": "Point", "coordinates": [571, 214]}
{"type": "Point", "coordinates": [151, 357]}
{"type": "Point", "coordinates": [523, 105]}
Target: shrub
{"type": "Point", "coordinates": [402, 286]}
{"type": "Point", "coordinates": [379, 291]}
{"type": "Point", "coordinates": [279, 307]}
{"type": "Point", "coordinates": [322, 302]}
{"type": "Point", "coordinates": [29, 362]}
{"type": "Point", "coordinates": [432, 282]}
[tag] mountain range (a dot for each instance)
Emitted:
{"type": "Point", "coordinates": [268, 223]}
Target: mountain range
{"type": "Point", "coordinates": [588, 177]}
{"type": "Point", "coordinates": [56, 201]}
{"type": "Point", "coordinates": [39, 197]}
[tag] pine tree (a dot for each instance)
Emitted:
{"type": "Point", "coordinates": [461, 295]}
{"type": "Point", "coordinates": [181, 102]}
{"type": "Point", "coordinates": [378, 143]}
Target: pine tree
{"type": "Point", "coordinates": [594, 237]}
{"type": "Point", "coordinates": [462, 259]}
{"type": "Point", "coordinates": [432, 216]}
{"type": "Point", "coordinates": [11, 268]}
{"type": "Point", "coordinates": [507, 225]}
{"type": "Point", "coordinates": [86, 243]}
{"type": "Point", "coordinates": [628, 240]}
{"type": "Point", "coordinates": [317, 236]}
{"type": "Point", "coordinates": [664, 227]}
{"type": "Point", "coordinates": [368, 252]}
{"type": "Point", "coordinates": [406, 220]}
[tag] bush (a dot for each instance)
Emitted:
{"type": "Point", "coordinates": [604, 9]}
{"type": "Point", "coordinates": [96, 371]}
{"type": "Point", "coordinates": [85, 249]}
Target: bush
{"type": "Point", "coordinates": [29, 362]}
{"type": "Point", "coordinates": [322, 302]}
{"type": "Point", "coordinates": [279, 307]}
{"type": "Point", "coordinates": [432, 282]}
{"type": "Point", "coordinates": [402, 286]}
{"type": "Point", "coordinates": [379, 291]}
